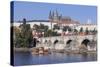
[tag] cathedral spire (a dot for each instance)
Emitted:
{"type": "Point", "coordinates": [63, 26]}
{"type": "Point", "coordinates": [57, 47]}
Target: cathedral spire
{"type": "Point", "coordinates": [60, 17]}
{"type": "Point", "coordinates": [53, 14]}
{"type": "Point", "coordinates": [50, 15]}
{"type": "Point", "coordinates": [56, 13]}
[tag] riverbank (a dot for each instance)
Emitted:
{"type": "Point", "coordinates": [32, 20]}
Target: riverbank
{"type": "Point", "coordinates": [74, 52]}
{"type": "Point", "coordinates": [53, 50]}
{"type": "Point", "coordinates": [23, 49]}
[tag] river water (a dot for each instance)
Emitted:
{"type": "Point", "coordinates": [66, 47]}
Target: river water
{"type": "Point", "coordinates": [25, 58]}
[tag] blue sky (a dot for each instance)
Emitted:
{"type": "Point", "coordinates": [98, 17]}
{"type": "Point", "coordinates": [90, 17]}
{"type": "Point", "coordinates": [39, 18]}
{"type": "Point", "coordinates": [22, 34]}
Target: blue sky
{"type": "Point", "coordinates": [35, 11]}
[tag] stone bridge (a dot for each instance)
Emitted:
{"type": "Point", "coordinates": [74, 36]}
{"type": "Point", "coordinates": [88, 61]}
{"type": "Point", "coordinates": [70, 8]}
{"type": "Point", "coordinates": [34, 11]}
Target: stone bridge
{"type": "Point", "coordinates": [71, 42]}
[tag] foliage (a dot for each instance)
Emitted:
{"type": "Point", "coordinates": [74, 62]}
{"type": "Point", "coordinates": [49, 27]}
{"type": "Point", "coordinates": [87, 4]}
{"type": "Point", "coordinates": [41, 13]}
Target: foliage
{"type": "Point", "coordinates": [86, 31]}
{"type": "Point", "coordinates": [56, 27]}
{"type": "Point", "coordinates": [24, 37]}
{"type": "Point", "coordinates": [81, 29]}
{"type": "Point", "coordinates": [48, 33]}
{"type": "Point", "coordinates": [65, 28]}
{"type": "Point", "coordinates": [41, 27]}
{"type": "Point", "coordinates": [94, 31]}
{"type": "Point", "coordinates": [75, 31]}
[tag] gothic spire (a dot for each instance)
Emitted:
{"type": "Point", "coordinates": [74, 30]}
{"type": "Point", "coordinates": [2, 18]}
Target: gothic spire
{"type": "Point", "coordinates": [56, 13]}
{"type": "Point", "coordinates": [50, 15]}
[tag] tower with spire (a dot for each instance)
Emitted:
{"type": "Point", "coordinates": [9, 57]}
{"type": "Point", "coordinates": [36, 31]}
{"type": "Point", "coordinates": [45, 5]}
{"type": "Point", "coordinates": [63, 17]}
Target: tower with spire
{"type": "Point", "coordinates": [54, 16]}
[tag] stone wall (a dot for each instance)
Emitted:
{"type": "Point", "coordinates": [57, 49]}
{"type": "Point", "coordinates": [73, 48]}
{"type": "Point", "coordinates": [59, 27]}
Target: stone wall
{"type": "Point", "coordinates": [62, 42]}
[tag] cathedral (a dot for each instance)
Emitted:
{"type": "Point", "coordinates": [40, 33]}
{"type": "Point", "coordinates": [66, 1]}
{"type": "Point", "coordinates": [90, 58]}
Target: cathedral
{"type": "Point", "coordinates": [57, 18]}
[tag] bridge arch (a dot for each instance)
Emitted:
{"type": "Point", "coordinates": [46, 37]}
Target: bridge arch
{"type": "Point", "coordinates": [85, 42]}
{"type": "Point", "coordinates": [55, 41]}
{"type": "Point", "coordinates": [69, 41]}
{"type": "Point", "coordinates": [72, 44]}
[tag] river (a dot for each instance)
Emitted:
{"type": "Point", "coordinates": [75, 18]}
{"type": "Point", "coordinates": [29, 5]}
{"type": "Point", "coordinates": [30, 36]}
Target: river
{"type": "Point", "coordinates": [25, 58]}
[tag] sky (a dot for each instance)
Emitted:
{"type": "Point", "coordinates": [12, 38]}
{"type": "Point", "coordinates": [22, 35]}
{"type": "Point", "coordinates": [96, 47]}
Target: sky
{"type": "Point", "coordinates": [40, 11]}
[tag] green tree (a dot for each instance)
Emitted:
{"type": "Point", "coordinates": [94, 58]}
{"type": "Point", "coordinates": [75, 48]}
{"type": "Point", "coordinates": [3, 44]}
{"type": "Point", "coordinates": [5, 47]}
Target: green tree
{"type": "Point", "coordinates": [24, 37]}
{"type": "Point", "coordinates": [65, 28]}
{"type": "Point", "coordinates": [48, 33]}
{"type": "Point", "coordinates": [81, 29]}
{"type": "Point", "coordinates": [86, 31]}
{"type": "Point", "coordinates": [94, 31]}
{"type": "Point", "coordinates": [16, 32]}
{"type": "Point", "coordinates": [35, 26]}
{"type": "Point", "coordinates": [56, 27]}
{"type": "Point", "coordinates": [43, 27]}
{"type": "Point", "coordinates": [46, 28]}
{"type": "Point", "coordinates": [69, 29]}
{"type": "Point", "coordinates": [54, 33]}
{"type": "Point", "coordinates": [75, 31]}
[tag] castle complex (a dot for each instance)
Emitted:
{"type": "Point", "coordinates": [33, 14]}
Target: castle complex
{"type": "Point", "coordinates": [62, 21]}
{"type": "Point", "coordinates": [55, 18]}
